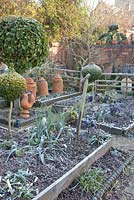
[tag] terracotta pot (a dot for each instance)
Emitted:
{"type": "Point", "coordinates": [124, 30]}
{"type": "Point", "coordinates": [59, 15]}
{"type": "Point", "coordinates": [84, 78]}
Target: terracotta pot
{"type": "Point", "coordinates": [57, 84]}
{"type": "Point", "coordinates": [31, 86]}
{"type": "Point", "coordinates": [125, 41]}
{"type": "Point", "coordinates": [26, 103]}
{"type": "Point", "coordinates": [98, 42]}
{"type": "Point", "coordinates": [114, 42]}
{"type": "Point", "coordinates": [42, 87]}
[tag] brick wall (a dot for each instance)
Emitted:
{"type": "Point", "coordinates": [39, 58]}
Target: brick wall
{"type": "Point", "coordinates": [120, 55]}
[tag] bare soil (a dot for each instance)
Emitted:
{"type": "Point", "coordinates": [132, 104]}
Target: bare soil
{"type": "Point", "coordinates": [58, 158]}
{"type": "Point", "coordinates": [110, 162]}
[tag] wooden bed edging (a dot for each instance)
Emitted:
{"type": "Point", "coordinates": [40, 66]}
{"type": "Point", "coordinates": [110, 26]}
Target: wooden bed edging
{"type": "Point", "coordinates": [56, 99]}
{"type": "Point", "coordinates": [129, 127]}
{"type": "Point", "coordinates": [52, 191]}
{"type": "Point", "coordinates": [111, 129]}
{"type": "Point", "coordinates": [116, 130]}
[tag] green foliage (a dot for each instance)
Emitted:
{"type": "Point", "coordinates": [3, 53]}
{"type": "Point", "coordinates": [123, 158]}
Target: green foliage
{"type": "Point", "coordinates": [22, 42]}
{"type": "Point", "coordinates": [92, 180]}
{"type": "Point", "coordinates": [12, 85]}
{"type": "Point", "coordinates": [47, 68]}
{"type": "Point", "coordinates": [110, 96]}
{"type": "Point", "coordinates": [111, 34]}
{"type": "Point", "coordinates": [46, 132]}
{"type": "Point", "coordinates": [70, 116]}
{"type": "Point", "coordinates": [18, 184]}
{"type": "Point", "coordinates": [46, 128]}
{"type": "Point", "coordinates": [15, 151]}
{"type": "Point", "coordinates": [63, 19]}
{"type": "Point", "coordinates": [113, 27]}
{"type": "Point", "coordinates": [99, 139]}
{"type": "Point", "coordinates": [94, 71]}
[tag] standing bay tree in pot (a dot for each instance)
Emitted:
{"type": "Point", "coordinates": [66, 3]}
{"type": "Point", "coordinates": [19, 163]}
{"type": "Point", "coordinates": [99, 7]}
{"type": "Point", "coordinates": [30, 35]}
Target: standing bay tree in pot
{"type": "Point", "coordinates": [12, 86]}
{"type": "Point", "coordinates": [23, 45]}
{"type": "Point", "coordinates": [23, 42]}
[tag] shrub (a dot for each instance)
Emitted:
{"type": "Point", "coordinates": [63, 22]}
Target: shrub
{"type": "Point", "coordinates": [94, 71]}
{"type": "Point", "coordinates": [22, 42]}
{"type": "Point", "coordinates": [12, 86]}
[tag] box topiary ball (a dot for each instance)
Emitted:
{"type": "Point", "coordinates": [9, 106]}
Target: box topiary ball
{"type": "Point", "coordinates": [12, 85]}
{"type": "Point", "coordinates": [94, 71]}
{"type": "Point", "coordinates": [23, 42]}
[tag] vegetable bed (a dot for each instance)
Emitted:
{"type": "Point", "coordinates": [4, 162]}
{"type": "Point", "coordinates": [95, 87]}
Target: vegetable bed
{"type": "Point", "coordinates": [88, 184]}
{"type": "Point", "coordinates": [29, 164]}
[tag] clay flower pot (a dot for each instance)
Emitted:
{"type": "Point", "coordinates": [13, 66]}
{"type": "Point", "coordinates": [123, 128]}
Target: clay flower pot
{"type": "Point", "coordinates": [31, 86]}
{"type": "Point", "coordinates": [125, 41]}
{"type": "Point", "coordinates": [57, 84]}
{"type": "Point", "coordinates": [114, 42]}
{"type": "Point", "coordinates": [42, 86]}
{"type": "Point", "coordinates": [98, 42]}
{"type": "Point", "coordinates": [26, 103]}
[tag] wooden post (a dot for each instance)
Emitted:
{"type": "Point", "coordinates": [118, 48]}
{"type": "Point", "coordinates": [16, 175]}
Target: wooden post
{"type": "Point", "coordinates": [93, 93]}
{"type": "Point", "coordinates": [95, 89]}
{"type": "Point", "coordinates": [126, 85]}
{"type": "Point", "coordinates": [82, 105]}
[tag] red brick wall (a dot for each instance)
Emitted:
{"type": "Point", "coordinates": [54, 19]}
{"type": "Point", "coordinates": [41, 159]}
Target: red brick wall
{"type": "Point", "coordinates": [120, 55]}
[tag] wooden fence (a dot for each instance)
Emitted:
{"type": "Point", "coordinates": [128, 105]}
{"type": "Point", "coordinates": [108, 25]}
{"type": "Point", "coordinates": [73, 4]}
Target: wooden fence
{"type": "Point", "coordinates": [115, 81]}
{"type": "Point", "coordinates": [71, 78]}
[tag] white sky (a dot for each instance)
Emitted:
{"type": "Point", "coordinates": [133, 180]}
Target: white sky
{"type": "Point", "coordinates": [94, 2]}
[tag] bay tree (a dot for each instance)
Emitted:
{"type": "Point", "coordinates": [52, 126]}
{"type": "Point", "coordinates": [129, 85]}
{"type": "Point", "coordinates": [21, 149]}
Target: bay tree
{"type": "Point", "coordinates": [23, 43]}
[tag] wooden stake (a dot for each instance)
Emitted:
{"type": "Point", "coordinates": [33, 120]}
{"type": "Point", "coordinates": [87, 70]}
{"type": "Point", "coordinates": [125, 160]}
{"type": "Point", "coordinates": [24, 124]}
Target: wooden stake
{"type": "Point", "coordinates": [93, 93]}
{"type": "Point", "coordinates": [9, 118]}
{"type": "Point", "coordinates": [82, 105]}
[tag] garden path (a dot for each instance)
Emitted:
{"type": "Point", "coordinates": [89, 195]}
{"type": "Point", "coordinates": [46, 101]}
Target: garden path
{"type": "Point", "coordinates": [127, 144]}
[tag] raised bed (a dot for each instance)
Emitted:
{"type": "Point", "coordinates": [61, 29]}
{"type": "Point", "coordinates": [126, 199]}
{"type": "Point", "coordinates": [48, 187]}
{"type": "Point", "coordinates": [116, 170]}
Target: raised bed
{"type": "Point", "coordinates": [52, 192]}
{"type": "Point", "coordinates": [118, 128]}
{"type": "Point", "coordinates": [63, 161]}
{"type": "Point", "coordinates": [18, 122]}
{"type": "Point", "coordinates": [123, 120]}
{"type": "Point", "coordinates": [111, 166]}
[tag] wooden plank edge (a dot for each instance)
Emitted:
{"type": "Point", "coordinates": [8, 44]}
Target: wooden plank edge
{"type": "Point", "coordinates": [52, 191]}
{"type": "Point", "coordinates": [53, 100]}
{"type": "Point", "coordinates": [129, 127]}
{"type": "Point", "coordinates": [2, 127]}
{"type": "Point", "coordinates": [116, 130]}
